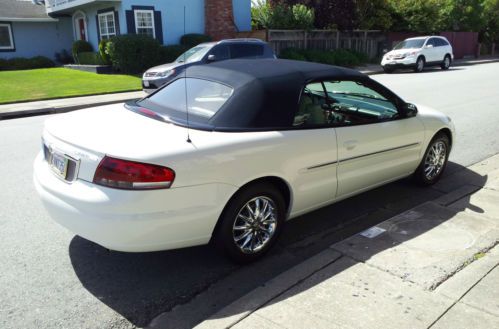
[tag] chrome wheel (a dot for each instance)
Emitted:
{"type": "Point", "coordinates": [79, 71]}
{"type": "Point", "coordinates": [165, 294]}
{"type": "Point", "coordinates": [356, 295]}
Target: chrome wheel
{"type": "Point", "coordinates": [255, 224]}
{"type": "Point", "coordinates": [435, 160]}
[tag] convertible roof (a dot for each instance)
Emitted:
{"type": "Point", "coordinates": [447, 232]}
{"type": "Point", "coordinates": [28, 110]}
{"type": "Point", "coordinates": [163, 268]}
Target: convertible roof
{"type": "Point", "coordinates": [240, 71]}
{"type": "Point", "coordinates": [266, 91]}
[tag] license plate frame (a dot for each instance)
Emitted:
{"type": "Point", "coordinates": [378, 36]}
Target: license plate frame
{"type": "Point", "coordinates": [59, 164]}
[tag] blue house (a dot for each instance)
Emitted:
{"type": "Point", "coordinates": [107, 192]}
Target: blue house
{"type": "Point", "coordinates": [26, 30]}
{"type": "Point", "coordinates": [66, 21]}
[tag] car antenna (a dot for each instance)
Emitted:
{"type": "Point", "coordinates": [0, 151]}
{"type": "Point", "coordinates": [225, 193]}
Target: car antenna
{"type": "Point", "coordinates": [185, 87]}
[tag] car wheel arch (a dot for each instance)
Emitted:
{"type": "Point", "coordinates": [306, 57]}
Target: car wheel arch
{"type": "Point", "coordinates": [447, 132]}
{"type": "Point", "coordinates": [282, 185]}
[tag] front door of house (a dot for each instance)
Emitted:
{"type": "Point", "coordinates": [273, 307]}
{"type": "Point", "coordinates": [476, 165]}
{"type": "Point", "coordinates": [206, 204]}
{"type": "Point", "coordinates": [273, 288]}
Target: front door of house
{"type": "Point", "coordinates": [81, 29]}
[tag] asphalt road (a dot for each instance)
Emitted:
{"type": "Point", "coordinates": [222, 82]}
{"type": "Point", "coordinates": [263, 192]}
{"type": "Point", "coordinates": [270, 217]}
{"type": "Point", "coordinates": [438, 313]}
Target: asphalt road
{"type": "Point", "coordinates": [53, 279]}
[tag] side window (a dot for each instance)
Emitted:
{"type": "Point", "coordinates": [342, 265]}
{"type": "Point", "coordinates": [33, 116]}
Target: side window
{"type": "Point", "coordinates": [221, 52]}
{"type": "Point", "coordinates": [310, 108]}
{"type": "Point", "coordinates": [432, 42]}
{"type": "Point", "coordinates": [352, 103]}
{"type": "Point", "coordinates": [246, 51]}
{"type": "Point", "coordinates": [443, 42]}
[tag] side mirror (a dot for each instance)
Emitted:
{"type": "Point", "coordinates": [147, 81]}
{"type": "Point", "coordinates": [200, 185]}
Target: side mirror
{"type": "Point", "coordinates": [429, 46]}
{"type": "Point", "coordinates": [409, 110]}
{"type": "Point", "coordinates": [211, 58]}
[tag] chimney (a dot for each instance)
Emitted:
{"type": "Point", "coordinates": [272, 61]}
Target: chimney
{"type": "Point", "coordinates": [219, 19]}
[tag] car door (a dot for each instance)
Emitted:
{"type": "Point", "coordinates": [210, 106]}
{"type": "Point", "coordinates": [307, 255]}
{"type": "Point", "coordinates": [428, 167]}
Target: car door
{"type": "Point", "coordinates": [376, 143]}
{"type": "Point", "coordinates": [314, 148]}
{"type": "Point", "coordinates": [431, 51]}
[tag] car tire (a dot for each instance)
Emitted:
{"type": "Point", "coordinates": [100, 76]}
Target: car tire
{"type": "Point", "coordinates": [387, 69]}
{"type": "Point", "coordinates": [420, 63]}
{"type": "Point", "coordinates": [446, 63]}
{"type": "Point", "coordinates": [434, 161]}
{"type": "Point", "coordinates": [244, 236]}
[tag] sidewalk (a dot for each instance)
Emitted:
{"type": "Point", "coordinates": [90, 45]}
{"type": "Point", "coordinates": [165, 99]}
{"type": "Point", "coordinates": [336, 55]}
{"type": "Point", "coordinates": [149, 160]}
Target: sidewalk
{"type": "Point", "coordinates": [15, 110]}
{"type": "Point", "coordinates": [64, 104]}
{"type": "Point", "coordinates": [434, 266]}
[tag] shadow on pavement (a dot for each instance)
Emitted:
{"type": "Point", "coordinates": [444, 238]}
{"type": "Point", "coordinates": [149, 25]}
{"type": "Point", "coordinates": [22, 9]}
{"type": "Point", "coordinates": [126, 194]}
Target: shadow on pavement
{"type": "Point", "coordinates": [140, 286]}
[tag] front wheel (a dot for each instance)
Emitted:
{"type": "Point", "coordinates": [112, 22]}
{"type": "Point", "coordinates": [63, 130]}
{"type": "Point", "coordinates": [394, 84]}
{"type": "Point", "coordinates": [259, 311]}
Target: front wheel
{"type": "Point", "coordinates": [434, 160]}
{"type": "Point", "coordinates": [251, 223]}
{"type": "Point", "coordinates": [419, 65]}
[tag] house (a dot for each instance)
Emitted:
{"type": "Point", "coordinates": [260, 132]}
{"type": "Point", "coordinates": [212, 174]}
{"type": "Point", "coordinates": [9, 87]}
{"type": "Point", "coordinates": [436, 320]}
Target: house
{"type": "Point", "coordinates": [26, 30]}
{"type": "Point", "coordinates": [65, 21]}
{"type": "Point", "coordinates": [94, 20]}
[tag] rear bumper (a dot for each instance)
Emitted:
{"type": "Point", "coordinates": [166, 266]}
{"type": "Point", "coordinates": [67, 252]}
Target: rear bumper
{"type": "Point", "coordinates": [132, 221]}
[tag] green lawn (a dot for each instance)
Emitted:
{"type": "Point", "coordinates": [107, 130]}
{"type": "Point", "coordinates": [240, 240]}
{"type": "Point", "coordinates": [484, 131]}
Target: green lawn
{"type": "Point", "coordinates": [60, 82]}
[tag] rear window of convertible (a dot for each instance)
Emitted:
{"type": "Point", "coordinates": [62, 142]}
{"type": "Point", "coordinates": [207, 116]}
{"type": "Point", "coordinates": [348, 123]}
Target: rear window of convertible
{"type": "Point", "coordinates": [204, 98]}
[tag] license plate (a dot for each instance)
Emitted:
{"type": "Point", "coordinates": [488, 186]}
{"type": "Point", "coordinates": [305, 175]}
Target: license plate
{"type": "Point", "coordinates": [146, 83]}
{"type": "Point", "coordinates": [59, 164]}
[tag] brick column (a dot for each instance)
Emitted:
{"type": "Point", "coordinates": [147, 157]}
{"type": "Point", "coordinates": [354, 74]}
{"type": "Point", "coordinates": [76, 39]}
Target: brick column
{"type": "Point", "coordinates": [219, 22]}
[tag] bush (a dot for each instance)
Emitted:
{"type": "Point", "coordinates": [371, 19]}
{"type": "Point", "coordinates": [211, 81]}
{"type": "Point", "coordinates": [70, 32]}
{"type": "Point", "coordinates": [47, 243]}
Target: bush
{"type": "Point", "coordinates": [63, 57]}
{"type": "Point", "coordinates": [340, 57]}
{"type": "Point", "coordinates": [281, 16]}
{"type": "Point", "coordinates": [193, 39]}
{"type": "Point", "coordinates": [90, 58]}
{"type": "Point", "coordinates": [21, 63]}
{"type": "Point", "coordinates": [131, 53]}
{"type": "Point", "coordinates": [170, 53]}
{"type": "Point", "coordinates": [103, 52]}
{"type": "Point", "coordinates": [293, 53]}
{"type": "Point", "coordinates": [81, 46]}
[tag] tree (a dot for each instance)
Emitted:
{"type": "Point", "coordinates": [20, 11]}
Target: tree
{"type": "Point", "coordinates": [416, 15]}
{"type": "Point", "coordinates": [373, 15]}
{"type": "Point", "coordinates": [490, 16]}
{"type": "Point", "coordinates": [462, 15]}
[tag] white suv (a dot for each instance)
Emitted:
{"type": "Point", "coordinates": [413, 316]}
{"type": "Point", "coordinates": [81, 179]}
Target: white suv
{"type": "Point", "coordinates": [419, 52]}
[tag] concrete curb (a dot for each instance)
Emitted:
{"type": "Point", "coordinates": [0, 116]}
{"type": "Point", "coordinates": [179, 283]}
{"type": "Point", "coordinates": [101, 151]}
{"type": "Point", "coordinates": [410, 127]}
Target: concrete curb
{"type": "Point", "coordinates": [54, 110]}
{"type": "Point", "coordinates": [254, 300]}
{"type": "Point", "coordinates": [62, 105]}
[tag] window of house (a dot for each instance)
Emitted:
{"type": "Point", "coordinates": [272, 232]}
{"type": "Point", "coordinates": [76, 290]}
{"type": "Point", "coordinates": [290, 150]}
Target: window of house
{"type": "Point", "coordinates": [6, 40]}
{"type": "Point", "coordinates": [144, 22]}
{"type": "Point", "coordinates": [107, 26]}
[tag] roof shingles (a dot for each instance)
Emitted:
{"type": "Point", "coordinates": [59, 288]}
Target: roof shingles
{"type": "Point", "coordinates": [21, 9]}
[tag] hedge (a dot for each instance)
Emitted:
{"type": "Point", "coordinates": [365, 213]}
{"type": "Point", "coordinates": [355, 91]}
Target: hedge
{"type": "Point", "coordinates": [340, 57]}
{"type": "Point", "coordinates": [21, 63]}
{"type": "Point", "coordinates": [90, 58]}
{"type": "Point", "coordinates": [131, 53]}
{"type": "Point", "coordinates": [193, 39]}
{"type": "Point", "coordinates": [169, 54]}
{"type": "Point", "coordinates": [81, 46]}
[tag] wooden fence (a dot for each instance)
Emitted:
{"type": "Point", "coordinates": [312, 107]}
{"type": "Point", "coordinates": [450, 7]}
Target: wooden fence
{"type": "Point", "coordinates": [368, 42]}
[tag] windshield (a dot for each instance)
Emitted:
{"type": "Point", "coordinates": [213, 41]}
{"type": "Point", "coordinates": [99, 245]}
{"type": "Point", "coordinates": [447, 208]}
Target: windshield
{"type": "Point", "coordinates": [193, 55]}
{"type": "Point", "coordinates": [412, 43]}
{"type": "Point", "coordinates": [204, 99]}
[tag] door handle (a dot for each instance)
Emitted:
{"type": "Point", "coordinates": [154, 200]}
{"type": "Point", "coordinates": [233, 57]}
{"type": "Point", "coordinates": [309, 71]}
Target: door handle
{"type": "Point", "coordinates": [350, 145]}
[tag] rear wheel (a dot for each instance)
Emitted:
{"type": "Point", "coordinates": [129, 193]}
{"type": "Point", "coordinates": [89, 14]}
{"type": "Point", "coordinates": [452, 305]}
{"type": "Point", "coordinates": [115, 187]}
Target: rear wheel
{"type": "Point", "coordinates": [251, 223]}
{"type": "Point", "coordinates": [446, 63]}
{"type": "Point", "coordinates": [419, 65]}
{"type": "Point", "coordinates": [434, 161]}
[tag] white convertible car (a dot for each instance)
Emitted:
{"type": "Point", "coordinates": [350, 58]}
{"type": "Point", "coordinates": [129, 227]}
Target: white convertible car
{"type": "Point", "coordinates": [228, 152]}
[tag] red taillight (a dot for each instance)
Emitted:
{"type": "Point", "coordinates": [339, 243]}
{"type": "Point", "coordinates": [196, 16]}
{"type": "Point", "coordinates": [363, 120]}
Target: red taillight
{"type": "Point", "coordinates": [132, 175]}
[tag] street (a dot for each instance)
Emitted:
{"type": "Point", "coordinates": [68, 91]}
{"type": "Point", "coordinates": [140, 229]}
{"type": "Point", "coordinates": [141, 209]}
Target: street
{"type": "Point", "coordinates": [51, 278]}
